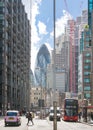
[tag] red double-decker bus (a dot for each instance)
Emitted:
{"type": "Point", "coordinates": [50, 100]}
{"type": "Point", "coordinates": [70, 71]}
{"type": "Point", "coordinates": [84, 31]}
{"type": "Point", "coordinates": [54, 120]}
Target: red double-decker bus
{"type": "Point", "coordinates": [70, 110]}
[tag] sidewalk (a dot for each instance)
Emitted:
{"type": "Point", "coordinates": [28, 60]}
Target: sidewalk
{"type": "Point", "coordinates": [89, 122]}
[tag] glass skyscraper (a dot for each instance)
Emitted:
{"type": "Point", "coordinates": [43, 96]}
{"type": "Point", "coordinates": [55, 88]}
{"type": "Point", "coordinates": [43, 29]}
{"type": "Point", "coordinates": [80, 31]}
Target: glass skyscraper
{"type": "Point", "coordinates": [43, 58]}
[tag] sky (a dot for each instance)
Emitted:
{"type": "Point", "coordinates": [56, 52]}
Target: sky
{"type": "Point", "coordinates": [41, 18]}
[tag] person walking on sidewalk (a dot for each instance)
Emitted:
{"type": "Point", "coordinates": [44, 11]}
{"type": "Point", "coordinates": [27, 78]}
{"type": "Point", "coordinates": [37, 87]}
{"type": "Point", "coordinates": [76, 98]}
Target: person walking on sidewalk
{"type": "Point", "coordinates": [92, 116]}
{"type": "Point", "coordinates": [30, 118]}
{"type": "Point", "coordinates": [79, 116]}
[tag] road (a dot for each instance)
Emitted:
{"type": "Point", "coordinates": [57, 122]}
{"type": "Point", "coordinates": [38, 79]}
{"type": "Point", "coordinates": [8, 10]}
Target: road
{"type": "Point", "coordinates": [46, 125]}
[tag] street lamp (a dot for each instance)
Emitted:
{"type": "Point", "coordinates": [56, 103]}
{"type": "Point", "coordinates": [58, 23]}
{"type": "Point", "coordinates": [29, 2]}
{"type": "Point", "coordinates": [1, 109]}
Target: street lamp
{"type": "Point", "coordinates": [41, 100]}
{"type": "Point", "coordinates": [54, 102]}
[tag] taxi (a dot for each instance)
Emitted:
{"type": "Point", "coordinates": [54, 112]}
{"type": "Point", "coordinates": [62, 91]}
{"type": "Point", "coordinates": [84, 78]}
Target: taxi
{"type": "Point", "coordinates": [12, 117]}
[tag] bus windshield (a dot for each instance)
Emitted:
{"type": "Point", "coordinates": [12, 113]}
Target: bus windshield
{"type": "Point", "coordinates": [71, 112]}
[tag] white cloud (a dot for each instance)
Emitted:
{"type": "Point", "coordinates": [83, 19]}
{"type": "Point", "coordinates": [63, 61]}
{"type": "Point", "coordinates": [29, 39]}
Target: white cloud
{"type": "Point", "coordinates": [42, 28]}
{"type": "Point", "coordinates": [60, 26]}
{"type": "Point", "coordinates": [35, 39]}
{"type": "Point", "coordinates": [34, 32]}
{"type": "Point", "coordinates": [61, 23]}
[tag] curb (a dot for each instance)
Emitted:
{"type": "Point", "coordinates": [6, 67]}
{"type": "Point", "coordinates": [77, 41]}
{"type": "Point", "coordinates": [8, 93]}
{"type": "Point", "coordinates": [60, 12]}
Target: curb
{"type": "Point", "coordinates": [91, 124]}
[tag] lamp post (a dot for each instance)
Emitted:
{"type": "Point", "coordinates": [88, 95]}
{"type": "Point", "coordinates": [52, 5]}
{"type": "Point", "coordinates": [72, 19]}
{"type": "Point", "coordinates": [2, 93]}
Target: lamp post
{"type": "Point", "coordinates": [54, 102]}
{"type": "Point", "coordinates": [41, 100]}
{"type": "Point", "coordinates": [40, 94]}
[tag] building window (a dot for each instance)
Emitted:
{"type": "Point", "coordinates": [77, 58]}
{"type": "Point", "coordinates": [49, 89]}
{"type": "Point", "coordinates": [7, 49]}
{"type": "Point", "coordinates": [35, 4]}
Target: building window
{"type": "Point", "coordinates": [87, 95]}
{"type": "Point", "coordinates": [87, 61]}
{"type": "Point", "coordinates": [87, 54]}
{"type": "Point", "coordinates": [1, 16]}
{"type": "Point", "coordinates": [86, 80]}
{"type": "Point", "coordinates": [86, 73]}
{"type": "Point", "coordinates": [87, 88]}
{"type": "Point", "coordinates": [86, 67]}
{"type": "Point", "coordinates": [87, 45]}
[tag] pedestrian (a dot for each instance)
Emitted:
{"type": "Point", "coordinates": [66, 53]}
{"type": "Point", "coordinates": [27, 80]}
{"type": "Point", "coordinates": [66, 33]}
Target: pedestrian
{"type": "Point", "coordinates": [30, 118]}
{"type": "Point", "coordinates": [91, 115]}
{"type": "Point", "coordinates": [79, 116]}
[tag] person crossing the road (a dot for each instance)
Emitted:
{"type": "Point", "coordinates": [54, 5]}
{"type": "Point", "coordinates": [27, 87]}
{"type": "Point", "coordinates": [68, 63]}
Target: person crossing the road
{"type": "Point", "coordinates": [30, 118]}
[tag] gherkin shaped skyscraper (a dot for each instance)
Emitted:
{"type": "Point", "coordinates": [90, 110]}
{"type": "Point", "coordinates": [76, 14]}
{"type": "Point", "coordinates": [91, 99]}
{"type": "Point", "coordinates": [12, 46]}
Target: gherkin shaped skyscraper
{"type": "Point", "coordinates": [43, 58]}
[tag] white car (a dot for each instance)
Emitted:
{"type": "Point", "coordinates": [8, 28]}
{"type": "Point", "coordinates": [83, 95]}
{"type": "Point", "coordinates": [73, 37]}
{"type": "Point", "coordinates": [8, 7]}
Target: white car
{"type": "Point", "coordinates": [51, 114]}
{"type": "Point", "coordinates": [12, 117]}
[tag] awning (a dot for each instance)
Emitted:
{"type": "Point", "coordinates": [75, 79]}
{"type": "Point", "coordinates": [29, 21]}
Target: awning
{"type": "Point", "coordinates": [90, 107]}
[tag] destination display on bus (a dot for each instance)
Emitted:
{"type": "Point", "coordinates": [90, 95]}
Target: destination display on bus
{"type": "Point", "coordinates": [70, 103]}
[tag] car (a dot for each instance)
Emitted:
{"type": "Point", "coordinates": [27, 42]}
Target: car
{"type": "Point", "coordinates": [12, 117]}
{"type": "Point", "coordinates": [51, 114]}
{"type": "Point", "coordinates": [37, 113]}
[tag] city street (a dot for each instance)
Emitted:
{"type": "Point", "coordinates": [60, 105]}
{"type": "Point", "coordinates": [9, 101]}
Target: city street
{"type": "Point", "coordinates": [45, 124]}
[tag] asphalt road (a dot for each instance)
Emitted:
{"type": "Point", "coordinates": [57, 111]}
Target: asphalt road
{"type": "Point", "coordinates": [45, 124]}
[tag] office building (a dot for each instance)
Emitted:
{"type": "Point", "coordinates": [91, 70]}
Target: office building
{"type": "Point", "coordinates": [42, 60]}
{"type": "Point", "coordinates": [14, 55]}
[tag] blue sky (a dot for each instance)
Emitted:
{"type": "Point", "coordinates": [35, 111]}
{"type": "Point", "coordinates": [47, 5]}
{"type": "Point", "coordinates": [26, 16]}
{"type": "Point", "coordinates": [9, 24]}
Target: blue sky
{"type": "Point", "coordinates": [42, 20]}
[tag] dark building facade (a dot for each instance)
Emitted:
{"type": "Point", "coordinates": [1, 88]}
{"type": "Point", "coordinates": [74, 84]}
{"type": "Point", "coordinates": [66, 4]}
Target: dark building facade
{"type": "Point", "coordinates": [14, 55]}
{"type": "Point", "coordinates": [87, 89]}
{"type": "Point", "coordinates": [90, 23]}
{"type": "Point", "coordinates": [87, 53]}
{"type": "Point", "coordinates": [90, 9]}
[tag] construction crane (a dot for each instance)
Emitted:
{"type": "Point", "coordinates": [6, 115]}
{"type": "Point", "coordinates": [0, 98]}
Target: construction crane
{"type": "Point", "coordinates": [81, 3]}
{"type": "Point", "coordinates": [66, 5]}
